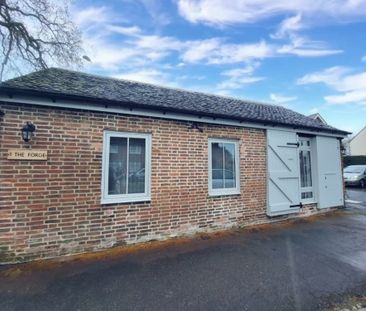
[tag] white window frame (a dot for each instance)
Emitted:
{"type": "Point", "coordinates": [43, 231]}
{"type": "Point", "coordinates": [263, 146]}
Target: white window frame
{"type": "Point", "coordinates": [129, 197]}
{"type": "Point", "coordinates": [223, 191]}
{"type": "Point", "coordinates": [312, 188]}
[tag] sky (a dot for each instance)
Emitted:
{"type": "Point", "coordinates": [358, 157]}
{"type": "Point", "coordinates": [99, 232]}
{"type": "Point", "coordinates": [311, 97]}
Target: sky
{"type": "Point", "coordinates": [309, 56]}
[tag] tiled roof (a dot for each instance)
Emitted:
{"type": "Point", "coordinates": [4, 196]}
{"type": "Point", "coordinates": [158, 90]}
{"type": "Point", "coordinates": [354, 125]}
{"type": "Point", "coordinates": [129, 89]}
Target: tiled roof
{"type": "Point", "coordinates": [78, 85]}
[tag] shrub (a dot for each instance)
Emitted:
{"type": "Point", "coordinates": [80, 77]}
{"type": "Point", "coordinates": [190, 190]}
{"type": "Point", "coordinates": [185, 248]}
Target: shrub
{"type": "Point", "coordinates": [354, 160]}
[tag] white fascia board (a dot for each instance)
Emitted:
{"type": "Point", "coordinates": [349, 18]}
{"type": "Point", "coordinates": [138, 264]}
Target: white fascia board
{"type": "Point", "coordinates": [41, 101]}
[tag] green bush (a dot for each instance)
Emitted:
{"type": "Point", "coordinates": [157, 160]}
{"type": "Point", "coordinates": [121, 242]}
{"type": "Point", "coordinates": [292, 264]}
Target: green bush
{"type": "Point", "coordinates": [354, 160]}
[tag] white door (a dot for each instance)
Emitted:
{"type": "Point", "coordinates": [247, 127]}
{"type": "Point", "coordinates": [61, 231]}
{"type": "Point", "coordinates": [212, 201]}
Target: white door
{"type": "Point", "coordinates": [330, 181]}
{"type": "Point", "coordinates": [283, 173]}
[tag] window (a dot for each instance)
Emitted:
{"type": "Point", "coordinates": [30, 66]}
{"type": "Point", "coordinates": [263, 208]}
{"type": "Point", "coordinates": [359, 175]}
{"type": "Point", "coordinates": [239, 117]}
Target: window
{"type": "Point", "coordinates": [306, 179]}
{"type": "Point", "coordinates": [223, 167]}
{"type": "Point", "coordinates": [126, 167]}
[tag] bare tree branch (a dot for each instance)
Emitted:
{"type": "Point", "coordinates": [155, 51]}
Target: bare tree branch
{"type": "Point", "coordinates": [36, 34]}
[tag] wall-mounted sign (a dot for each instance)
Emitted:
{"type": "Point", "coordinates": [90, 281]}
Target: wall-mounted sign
{"type": "Point", "coordinates": [24, 154]}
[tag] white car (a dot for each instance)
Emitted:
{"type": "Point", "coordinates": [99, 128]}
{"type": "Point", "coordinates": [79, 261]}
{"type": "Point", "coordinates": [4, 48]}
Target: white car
{"type": "Point", "coordinates": [355, 175]}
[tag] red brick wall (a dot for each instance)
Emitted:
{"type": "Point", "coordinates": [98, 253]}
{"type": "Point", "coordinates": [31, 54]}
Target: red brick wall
{"type": "Point", "coordinates": [51, 208]}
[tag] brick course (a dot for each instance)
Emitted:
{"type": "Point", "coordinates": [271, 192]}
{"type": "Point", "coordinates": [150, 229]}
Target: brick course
{"type": "Point", "coordinates": [52, 208]}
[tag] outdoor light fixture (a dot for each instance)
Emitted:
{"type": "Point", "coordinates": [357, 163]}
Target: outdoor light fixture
{"type": "Point", "coordinates": [27, 131]}
{"type": "Point", "coordinates": [194, 126]}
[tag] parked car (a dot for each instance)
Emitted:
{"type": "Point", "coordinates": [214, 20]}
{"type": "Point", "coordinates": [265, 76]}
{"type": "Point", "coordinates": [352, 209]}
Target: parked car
{"type": "Point", "coordinates": [355, 175]}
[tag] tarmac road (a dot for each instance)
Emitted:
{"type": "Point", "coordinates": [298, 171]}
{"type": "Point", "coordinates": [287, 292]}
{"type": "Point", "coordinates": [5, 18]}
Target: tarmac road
{"type": "Point", "coordinates": [303, 266]}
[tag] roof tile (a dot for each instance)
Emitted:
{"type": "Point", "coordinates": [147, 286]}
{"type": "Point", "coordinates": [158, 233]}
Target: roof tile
{"type": "Point", "coordinates": [122, 92]}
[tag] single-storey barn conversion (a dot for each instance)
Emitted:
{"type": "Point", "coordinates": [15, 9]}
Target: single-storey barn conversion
{"type": "Point", "coordinates": [90, 162]}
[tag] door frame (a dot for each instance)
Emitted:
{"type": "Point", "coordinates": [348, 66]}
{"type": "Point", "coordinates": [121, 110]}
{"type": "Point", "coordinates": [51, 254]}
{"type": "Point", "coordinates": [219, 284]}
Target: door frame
{"type": "Point", "coordinates": [314, 167]}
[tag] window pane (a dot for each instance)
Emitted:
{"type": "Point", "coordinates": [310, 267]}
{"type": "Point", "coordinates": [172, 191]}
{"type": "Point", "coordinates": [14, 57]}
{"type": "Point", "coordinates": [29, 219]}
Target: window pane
{"type": "Point", "coordinates": [117, 165]}
{"type": "Point", "coordinates": [217, 165]}
{"type": "Point", "coordinates": [305, 168]}
{"type": "Point", "coordinates": [306, 195]}
{"type": "Point", "coordinates": [136, 165]}
{"type": "Point", "coordinates": [229, 165]}
{"type": "Point", "coordinates": [223, 165]}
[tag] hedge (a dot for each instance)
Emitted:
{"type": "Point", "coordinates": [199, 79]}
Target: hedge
{"type": "Point", "coordinates": [354, 160]}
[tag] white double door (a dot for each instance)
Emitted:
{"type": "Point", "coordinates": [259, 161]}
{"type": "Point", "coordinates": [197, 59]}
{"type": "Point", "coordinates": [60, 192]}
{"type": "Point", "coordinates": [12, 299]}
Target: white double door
{"type": "Point", "coordinates": [283, 173]}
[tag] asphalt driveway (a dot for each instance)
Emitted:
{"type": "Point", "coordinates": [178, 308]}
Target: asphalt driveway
{"type": "Point", "coordinates": [302, 266]}
{"type": "Point", "coordinates": [356, 195]}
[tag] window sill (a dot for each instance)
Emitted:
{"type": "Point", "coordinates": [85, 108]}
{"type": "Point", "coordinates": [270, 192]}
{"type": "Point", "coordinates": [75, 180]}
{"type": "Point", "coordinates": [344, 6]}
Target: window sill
{"type": "Point", "coordinates": [223, 193]}
{"type": "Point", "coordinates": [135, 199]}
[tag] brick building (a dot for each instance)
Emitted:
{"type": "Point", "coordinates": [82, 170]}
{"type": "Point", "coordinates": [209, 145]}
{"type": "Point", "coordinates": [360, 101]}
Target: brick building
{"type": "Point", "coordinates": [90, 162]}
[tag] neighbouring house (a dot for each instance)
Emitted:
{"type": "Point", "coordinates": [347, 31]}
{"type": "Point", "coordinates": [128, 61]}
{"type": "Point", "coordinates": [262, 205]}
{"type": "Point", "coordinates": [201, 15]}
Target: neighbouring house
{"type": "Point", "coordinates": [345, 146]}
{"type": "Point", "coordinates": [90, 162]}
{"type": "Point", "coordinates": [344, 143]}
{"type": "Point", "coordinates": [317, 117]}
{"type": "Point", "coordinates": [356, 145]}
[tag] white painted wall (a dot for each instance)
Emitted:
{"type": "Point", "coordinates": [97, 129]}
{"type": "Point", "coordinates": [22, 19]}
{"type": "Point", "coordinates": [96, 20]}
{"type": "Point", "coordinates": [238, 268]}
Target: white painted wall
{"type": "Point", "coordinates": [357, 146]}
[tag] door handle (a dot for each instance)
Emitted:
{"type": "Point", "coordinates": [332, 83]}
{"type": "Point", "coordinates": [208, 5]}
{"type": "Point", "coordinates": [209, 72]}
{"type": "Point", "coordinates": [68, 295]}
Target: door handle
{"type": "Point", "coordinates": [297, 205]}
